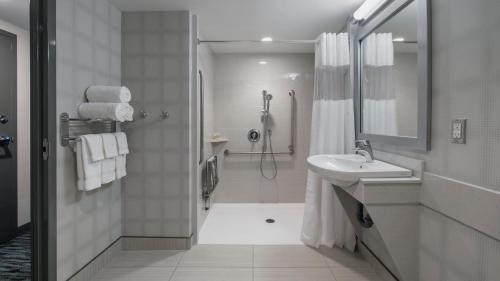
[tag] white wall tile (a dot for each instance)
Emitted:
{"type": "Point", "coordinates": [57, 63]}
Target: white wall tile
{"type": "Point", "coordinates": [88, 222]}
{"type": "Point", "coordinates": [239, 81]}
{"type": "Point", "coordinates": [465, 85]}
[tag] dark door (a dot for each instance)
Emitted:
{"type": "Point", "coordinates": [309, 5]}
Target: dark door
{"type": "Point", "coordinates": [8, 131]}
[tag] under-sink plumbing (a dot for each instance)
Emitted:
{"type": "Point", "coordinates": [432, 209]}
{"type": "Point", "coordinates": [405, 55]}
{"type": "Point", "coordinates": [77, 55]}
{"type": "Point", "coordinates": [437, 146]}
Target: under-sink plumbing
{"type": "Point", "coordinates": [364, 220]}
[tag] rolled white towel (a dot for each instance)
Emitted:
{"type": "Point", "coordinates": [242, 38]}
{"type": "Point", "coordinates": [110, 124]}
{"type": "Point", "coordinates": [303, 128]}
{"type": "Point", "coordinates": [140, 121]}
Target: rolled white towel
{"type": "Point", "coordinates": [113, 111]}
{"type": "Point", "coordinates": [112, 94]}
{"type": "Point", "coordinates": [130, 114]}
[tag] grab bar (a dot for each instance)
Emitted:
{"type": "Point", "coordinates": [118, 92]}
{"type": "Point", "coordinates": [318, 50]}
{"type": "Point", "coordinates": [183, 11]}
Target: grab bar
{"type": "Point", "coordinates": [293, 118]}
{"type": "Point", "coordinates": [228, 152]}
{"type": "Point", "coordinates": [291, 147]}
{"type": "Point", "coordinates": [202, 118]}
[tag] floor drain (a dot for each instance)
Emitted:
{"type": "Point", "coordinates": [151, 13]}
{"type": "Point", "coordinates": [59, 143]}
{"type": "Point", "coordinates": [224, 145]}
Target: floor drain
{"type": "Point", "coordinates": [270, 221]}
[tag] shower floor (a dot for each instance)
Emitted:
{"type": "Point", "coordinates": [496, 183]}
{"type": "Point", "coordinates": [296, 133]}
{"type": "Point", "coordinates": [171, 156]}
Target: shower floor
{"type": "Point", "coordinates": [245, 224]}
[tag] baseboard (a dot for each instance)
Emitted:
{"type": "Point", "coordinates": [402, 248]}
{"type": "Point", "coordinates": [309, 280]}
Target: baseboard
{"type": "Point", "coordinates": [380, 269]}
{"type": "Point", "coordinates": [132, 243]}
{"type": "Point", "coordinates": [88, 272]}
{"type": "Point", "coordinates": [128, 243]}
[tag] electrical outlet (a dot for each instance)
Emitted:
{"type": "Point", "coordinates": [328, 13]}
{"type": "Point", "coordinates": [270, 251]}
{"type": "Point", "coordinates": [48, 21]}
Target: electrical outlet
{"type": "Point", "coordinates": [458, 131]}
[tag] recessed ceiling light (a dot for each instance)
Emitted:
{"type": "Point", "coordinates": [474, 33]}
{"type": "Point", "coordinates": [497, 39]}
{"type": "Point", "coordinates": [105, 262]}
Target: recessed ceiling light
{"type": "Point", "coordinates": [262, 62]}
{"type": "Point", "coordinates": [267, 39]}
{"type": "Point", "coordinates": [398, 39]}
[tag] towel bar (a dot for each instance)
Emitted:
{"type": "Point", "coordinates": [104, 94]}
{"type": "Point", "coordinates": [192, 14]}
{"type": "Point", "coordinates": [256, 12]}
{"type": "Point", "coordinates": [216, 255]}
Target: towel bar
{"type": "Point", "coordinates": [66, 123]}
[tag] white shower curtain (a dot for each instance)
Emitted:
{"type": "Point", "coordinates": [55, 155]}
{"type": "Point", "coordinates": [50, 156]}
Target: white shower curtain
{"type": "Point", "coordinates": [378, 89]}
{"type": "Point", "coordinates": [332, 132]}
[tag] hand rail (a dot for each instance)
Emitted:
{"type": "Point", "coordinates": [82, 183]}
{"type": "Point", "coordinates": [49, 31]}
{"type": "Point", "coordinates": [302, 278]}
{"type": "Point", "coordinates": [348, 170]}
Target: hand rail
{"type": "Point", "coordinates": [228, 152]}
{"type": "Point", "coordinates": [291, 147]}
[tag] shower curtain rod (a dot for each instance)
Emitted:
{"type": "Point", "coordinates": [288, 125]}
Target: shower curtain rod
{"type": "Point", "coordinates": [282, 41]}
{"type": "Point", "coordinates": [259, 41]}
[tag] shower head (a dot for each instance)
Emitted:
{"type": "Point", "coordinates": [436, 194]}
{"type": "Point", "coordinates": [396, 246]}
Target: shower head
{"type": "Point", "coordinates": [266, 99]}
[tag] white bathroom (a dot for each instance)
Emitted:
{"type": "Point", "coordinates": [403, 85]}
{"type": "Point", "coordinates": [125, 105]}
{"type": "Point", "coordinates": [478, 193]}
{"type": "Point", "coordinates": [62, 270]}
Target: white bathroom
{"type": "Point", "coordinates": [186, 140]}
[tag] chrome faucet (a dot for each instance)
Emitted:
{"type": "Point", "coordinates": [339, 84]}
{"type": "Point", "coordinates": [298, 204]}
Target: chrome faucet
{"type": "Point", "coordinates": [363, 147]}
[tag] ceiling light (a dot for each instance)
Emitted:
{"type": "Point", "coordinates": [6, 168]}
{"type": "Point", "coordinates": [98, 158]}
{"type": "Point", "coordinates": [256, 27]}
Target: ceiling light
{"type": "Point", "coordinates": [398, 39]}
{"type": "Point", "coordinates": [262, 62]}
{"type": "Point", "coordinates": [367, 9]}
{"type": "Point", "coordinates": [267, 39]}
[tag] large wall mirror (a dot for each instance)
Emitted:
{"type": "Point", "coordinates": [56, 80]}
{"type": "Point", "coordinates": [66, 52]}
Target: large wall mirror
{"type": "Point", "coordinates": [392, 72]}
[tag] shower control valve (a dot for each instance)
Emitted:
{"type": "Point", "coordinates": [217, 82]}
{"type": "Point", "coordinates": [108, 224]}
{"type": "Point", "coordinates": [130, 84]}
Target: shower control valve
{"type": "Point", "coordinates": [253, 135]}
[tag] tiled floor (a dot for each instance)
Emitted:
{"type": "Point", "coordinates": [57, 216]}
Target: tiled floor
{"type": "Point", "coordinates": [224, 224]}
{"type": "Point", "coordinates": [238, 263]}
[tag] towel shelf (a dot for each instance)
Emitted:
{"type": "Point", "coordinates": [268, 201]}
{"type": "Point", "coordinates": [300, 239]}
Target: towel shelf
{"type": "Point", "coordinates": [66, 122]}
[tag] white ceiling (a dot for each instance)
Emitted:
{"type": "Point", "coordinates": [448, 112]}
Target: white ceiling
{"type": "Point", "coordinates": [251, 19]}
{"type": "Point", "coordinates": [254, 19]}
{"type": "Point", "coordinates": [16, 12]}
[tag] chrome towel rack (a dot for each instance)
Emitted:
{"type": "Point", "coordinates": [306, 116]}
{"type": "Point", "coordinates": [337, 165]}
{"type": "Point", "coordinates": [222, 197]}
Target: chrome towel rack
{"type": "Point", "coordinates": [67, 122]}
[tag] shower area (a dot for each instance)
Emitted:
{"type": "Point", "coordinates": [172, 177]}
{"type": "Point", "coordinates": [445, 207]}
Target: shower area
{"type": "Point", "coordinates": [256, 102]}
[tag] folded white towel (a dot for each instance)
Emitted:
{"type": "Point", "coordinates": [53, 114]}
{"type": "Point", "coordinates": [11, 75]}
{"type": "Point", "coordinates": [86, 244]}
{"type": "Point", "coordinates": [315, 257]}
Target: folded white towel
{"type": "Point", "coordinates": [88, 171]}
{"type": "Point", "coordinates": [110, 145]}
{"type": "Point", "coordinates": [121, 166]}
{"type": "Point", "coordinates": [112, 94]}
{"type": "Point", "coordinates": [108, 170]}
{"type": "Point", "coordinates": [121, 140]}
{"type": "Point", "coordinates": [113, 111]}
{"type": "Point", "coordinates": [95, 147]}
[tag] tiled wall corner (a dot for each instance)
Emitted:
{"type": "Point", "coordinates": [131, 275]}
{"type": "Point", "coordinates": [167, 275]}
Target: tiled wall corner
{"type": "Point", "coordinates": [98, 263]}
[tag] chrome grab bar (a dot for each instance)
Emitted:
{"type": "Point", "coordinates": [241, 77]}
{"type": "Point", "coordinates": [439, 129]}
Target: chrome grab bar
{"type": "Point", "coordinates": [293, 120]}
{"type": "Point", "coordinates": [291, 147]}
{"type": "Point", "coordinates": [228, 152]}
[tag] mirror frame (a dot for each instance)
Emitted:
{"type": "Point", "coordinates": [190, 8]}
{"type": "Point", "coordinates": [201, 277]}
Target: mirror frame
{"type": "Point", "coordinates": [358, 32]}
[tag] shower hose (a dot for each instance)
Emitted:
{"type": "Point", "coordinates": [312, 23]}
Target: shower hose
{"type": "Point", "coordinates": [267, 136]}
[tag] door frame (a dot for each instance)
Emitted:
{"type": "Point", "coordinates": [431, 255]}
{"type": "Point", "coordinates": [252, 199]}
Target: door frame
{"type": "Point", "coordinates": [43, 139]}
{"type": "Point", "coordinates": [13, 38]}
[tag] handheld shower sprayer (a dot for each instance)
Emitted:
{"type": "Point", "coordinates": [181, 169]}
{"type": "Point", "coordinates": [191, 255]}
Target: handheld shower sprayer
{"type": "Point", "coordinates": [267, 140]}
{"type": "Point", "coordinates": [266, 101]}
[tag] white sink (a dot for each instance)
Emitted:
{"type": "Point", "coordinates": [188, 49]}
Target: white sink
{"type": "Point", "coordinates": [345, 170]}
